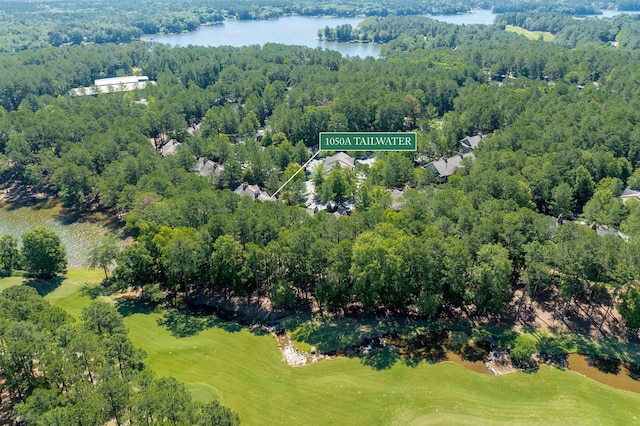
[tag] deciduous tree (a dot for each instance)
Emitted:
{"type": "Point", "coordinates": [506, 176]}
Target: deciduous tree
{"type": "Point", "coordinates": [9, 254]}
{"type": "Point", "coordinates": [104, 254]}
{"type": "Point", "coordinates": [43, 254]}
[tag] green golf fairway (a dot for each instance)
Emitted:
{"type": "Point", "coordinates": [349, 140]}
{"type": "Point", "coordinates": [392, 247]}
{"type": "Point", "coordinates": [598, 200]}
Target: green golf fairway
{"type": "Point", "coordinates": [245, 372]}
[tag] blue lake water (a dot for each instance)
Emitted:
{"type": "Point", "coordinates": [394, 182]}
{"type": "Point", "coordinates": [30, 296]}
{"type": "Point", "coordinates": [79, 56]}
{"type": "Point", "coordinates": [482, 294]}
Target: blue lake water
{"type": "Point", "coordinates": [611, 13]}
{"type": "Point", "coordinates": [482, 16]}
{"type": "Point", "coordinates": [292, 30]}
{"type": "Point", "coordinates": [303, 31]}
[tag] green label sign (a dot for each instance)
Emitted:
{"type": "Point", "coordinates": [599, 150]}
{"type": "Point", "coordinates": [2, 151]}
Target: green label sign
{"type": "Point", "coordinates": [367, 141]}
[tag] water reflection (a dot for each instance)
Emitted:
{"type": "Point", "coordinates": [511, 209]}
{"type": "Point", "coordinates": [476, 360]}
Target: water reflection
{"type": "Point", "coordinates": [303, 31]}
{"type": "Point", "coordinates": [78, 234]}
{"type": "Point", "coordinates": [433, 347]}
{"type": "Point", "coordinates": [292, 30]}
{"type": "Point", "coordinates": [609, 371]}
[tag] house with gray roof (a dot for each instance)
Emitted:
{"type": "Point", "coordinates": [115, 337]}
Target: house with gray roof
{"type": "Point", "coordinates": [470, 143]}
{"type": "Point", "coordinates": [207, 168]}
{"type": "Point", "coordinates": [446, 166]}
{"type": "Point", "coordinates": [169, 148]}
{"type": "Point", "coordinates": [340, 159]}
{"type": "Point", "coordinates": [253, 191]}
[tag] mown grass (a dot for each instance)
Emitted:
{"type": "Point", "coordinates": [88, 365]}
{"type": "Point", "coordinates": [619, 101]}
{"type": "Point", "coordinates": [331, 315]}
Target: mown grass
{"type": "Point", "coordinates": [10, 281]}
{"type": "Point", "coordinates": [531, 35]}
{"type": "Point", "coordinates": [245, 372]}
{"type": "Point", "coordinates": [75, 291]}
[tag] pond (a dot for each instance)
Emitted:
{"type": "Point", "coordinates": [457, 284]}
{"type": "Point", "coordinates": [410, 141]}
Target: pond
{"type": "Point", "coordinates": [77, 235]}
{"type": "Point", "coordinates": [609, 371]}
{"type": "Point", "coordinates": [295, 30]}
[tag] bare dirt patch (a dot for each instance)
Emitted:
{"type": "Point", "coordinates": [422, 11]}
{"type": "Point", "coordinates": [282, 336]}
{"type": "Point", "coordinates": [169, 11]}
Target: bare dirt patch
{"type": "Point", "coordinates": [588, 314]}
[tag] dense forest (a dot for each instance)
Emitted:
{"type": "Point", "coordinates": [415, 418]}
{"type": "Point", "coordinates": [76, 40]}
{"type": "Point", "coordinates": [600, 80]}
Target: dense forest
{"type": "Point", "coordinates": [561, 132]}
{"type": "Point", "coordinates": [411, 33]}
{"type": "Point", "coordinates": [536, 209]}
{"type": "Point", "coordinates": [36, 24]}
{"type": "Point", "coordinates": [571, 33]}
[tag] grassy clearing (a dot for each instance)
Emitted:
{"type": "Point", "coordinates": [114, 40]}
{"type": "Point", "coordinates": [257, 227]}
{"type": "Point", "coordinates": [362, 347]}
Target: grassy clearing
{"type": "Point", "coordinates": [531, 35]}
{"type": "Point", "coordinates": [10, 281]}
{"type": "Point", "coordinates": [73, 292]}
{"type": "Point", "coordinates": [245, 372]}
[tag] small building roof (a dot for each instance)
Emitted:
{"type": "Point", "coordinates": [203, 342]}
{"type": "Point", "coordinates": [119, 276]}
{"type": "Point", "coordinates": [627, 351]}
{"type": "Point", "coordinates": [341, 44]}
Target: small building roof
{"type": "Point", "coordinates": [253, 191]}
{"type": "Point", "coordinates": [396, 198]}
{"type": "Point", "coordinates": [115, 84]}
{"type": "Point", "coordinates": [472, 142]}
{"type": "Point", "coordinates": [193, 128]}
{"type": "Point", "coordinates": [169, 148]}
{"type": "Point", "coordinates": [447, 166]}
{"type": "Point", "coordinates": [342, 159]}
{"type": "Point", "coordinates": [121, 80]}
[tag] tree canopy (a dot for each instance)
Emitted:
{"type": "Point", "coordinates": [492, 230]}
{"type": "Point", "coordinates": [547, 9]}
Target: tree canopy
{"type": "Point", "coordinates": [559, 132]}
{"type": "Point", "coordinates": [43, 254]}
{"type": "Point", "coordinates": [89, 373]}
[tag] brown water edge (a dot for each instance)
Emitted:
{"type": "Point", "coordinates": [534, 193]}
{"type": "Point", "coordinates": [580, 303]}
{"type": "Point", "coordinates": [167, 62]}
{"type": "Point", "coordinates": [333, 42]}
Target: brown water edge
{"type": "Point", "coordinates": [295, 357]}
{"type": "Point", "coordinates": [477, 366]}
{"type": "Point", "coordinates": [433, 347]}
{"type": "Point", "coordinates": [442, 346]}
{"type": "Point", "coordinates": [608, 371]}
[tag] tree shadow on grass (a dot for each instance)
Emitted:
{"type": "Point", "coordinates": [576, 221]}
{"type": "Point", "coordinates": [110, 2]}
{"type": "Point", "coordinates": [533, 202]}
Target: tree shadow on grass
{"type": "Point", "coordinates": [534, 369]}
{"type": "Point", "coordinates": [44, 287]}
{"type": "Point", "coordinates": [380, 359]}
{"type": "Point", "coordinates": [259, 331]}
{"type": "Point", "coordinates": [412, 361]}
{"type": "Point", "coordinates": [127, 306]}
{"type": "Point", "coordinates": [94, 291]}
{"type": "Point", "coordinates": [185, 324]}
{"type": "Point", "coordinates": [331, 334]}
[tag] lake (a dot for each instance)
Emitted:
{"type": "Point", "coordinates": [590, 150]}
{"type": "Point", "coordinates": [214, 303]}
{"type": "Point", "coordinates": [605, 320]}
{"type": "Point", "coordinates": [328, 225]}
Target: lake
{"type": "Point", "coordinates": [78, 236]}
{"type": "Point", "coordinates": [478, 16]}
{"type": "Point", "coordinates": [303, 31]}
{"type": "Point", "coordinates": [292, 30]}
{"type": "Point", "coordinates": [295, 30]}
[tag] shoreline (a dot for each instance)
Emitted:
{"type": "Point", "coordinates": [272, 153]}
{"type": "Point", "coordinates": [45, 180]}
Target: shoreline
{"type": "Point", "coordinates": [18, 195]}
